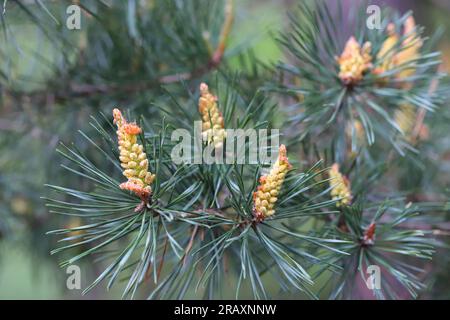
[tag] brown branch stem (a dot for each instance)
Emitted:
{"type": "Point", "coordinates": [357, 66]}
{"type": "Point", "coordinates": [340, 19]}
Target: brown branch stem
{"type": "Point", "coordinates": [190, 244]}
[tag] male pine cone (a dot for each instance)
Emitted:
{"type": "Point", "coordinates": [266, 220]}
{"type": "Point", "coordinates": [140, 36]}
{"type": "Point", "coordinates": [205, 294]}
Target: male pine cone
{"type": "Point", "coordinates": [340, 187]}
{"type": "Point", "coordinates": [133, 158]}
{"type": "Point", "coordinates": [354, 61]}
{"type": "Point", "coordinates": [408, 52]}
{"type": "Point", "coordinates": [212, 120]}
{"type": "Point", "coordinates": [266, 195]}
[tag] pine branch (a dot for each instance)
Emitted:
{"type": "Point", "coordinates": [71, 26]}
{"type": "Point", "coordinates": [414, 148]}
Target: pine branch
{"type": "Point", "coordinates": [359, 180]}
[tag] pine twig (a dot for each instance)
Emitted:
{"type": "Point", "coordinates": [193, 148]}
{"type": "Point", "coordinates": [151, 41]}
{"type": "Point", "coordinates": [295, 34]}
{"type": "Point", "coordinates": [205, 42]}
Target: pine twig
{"type": "Point", "coordinates": [226, 28]}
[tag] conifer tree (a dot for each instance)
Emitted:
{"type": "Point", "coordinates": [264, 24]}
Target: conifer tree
{"type": "Point", "coordinates": [357, 182]}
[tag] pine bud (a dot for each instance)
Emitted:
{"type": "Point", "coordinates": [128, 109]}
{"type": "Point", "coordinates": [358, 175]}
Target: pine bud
{"type": "Point", "coordinates": [132, 158]}
{"type": "Point", "coordinates": [354, 61]}
{"type": "Point", "coordinates": [369, 234]}
{"type": "Point", "coordinates": [265, 196]}
{"type": "Point", "coordinates": [340, 187]}
{"type": "Point", "coordinates": [212, 119]}
{"type": "Point", "coordinates": [405, 117]}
